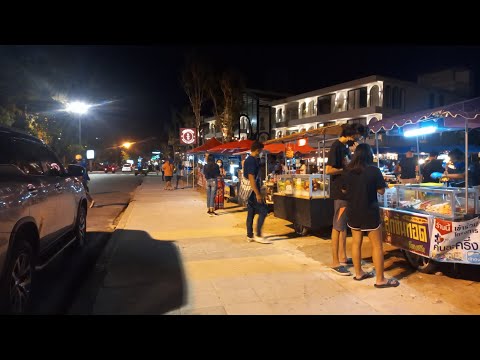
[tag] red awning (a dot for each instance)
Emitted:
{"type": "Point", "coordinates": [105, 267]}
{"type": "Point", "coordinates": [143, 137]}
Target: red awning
{"type": "Point", "coordinates": [279, 148]}
{"type": "Point", "coordinates": [232, 147]}
{"type": "Point", "coordinates": [210, 143]}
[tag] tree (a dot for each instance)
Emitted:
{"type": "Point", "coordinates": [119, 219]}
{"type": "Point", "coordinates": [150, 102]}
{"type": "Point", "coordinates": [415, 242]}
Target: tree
{"type": "Point", "coordinates": [226, 94]}
{"type": "Point", "coordinates": [194, 80]}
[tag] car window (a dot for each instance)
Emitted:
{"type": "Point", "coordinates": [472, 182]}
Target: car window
{"type": "Point", "coordinates": [49, 161]}
{"type": "Point", "coordinates": [6, 153]}
{"type": "Point", "coordinates": [26, 156]}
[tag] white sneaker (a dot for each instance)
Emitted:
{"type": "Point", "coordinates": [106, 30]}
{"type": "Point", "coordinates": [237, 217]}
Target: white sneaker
{"type": "Point", "coordinates": [250, 238]}
{"type": "Point", "coordinates": [261, 240]}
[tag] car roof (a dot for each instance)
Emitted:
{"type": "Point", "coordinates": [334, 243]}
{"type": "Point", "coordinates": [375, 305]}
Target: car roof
{"type": "Point", "coordinates": [6, 131]}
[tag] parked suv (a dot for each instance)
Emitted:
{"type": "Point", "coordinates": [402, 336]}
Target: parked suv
{"type": "Point", "coordinates": [43, 210]}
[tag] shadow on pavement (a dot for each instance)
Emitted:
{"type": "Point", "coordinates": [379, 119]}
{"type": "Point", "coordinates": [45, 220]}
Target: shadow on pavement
{"type": "Point", "coordinates": [145, 276]}
{"type": "Point", "coordinates": [58, 285]}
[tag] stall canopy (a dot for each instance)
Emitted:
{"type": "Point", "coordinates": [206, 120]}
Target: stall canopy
{"type": "Point", "coordinates": [453, 115]}
{"type": "Point", "coordinates": [210, 143]}
{"type": "Point", "coordinates": [280, 148]}
{"type": "Point", "coordinates": [334, 130]}
{"type": "Point", "coordinates": [232, 147]}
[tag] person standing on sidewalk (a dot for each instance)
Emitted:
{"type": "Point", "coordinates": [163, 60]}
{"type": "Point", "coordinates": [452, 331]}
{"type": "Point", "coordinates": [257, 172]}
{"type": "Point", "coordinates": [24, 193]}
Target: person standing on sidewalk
{"type": "Point", "coordinates": [85, 179]}
{"type": "Point", "coordinates": [211, 172]}
{"type": "Point", "coordinates": [167, 168]}
{"type": "Point", "coordinates": [360, 184]}
{"type": "Point", "coordinates": [338, 158]}
{"type": "Point", "coordinates": [256, 202]}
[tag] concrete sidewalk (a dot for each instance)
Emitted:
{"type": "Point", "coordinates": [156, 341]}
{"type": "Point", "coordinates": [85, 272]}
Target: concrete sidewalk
{"type": "Point", "coordinates": [168, 256]}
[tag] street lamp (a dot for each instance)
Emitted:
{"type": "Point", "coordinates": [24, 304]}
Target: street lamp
{"type": "Point", "coordinates": [79, 108]}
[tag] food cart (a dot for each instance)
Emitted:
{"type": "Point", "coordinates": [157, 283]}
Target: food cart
{"type": "Point", "coordinates": [432, 223]}
{"type": "Point", "coordinates": [305, 200]}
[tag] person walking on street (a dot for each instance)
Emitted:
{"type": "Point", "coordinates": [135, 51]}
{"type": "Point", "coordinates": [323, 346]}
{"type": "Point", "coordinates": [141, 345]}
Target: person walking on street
{"type": "Point", "coordinates": [256, 203]}
{"type": "Point", "coordinates": [338, 158]}
{"type": "Point", "coordinates": [211, 172]}
{"type": "Point", "coordinates": [167, 168]}
{"type": "Point", "coordinates": [360, 184]}
{"type": "Point", "coordinates": [85, 179]}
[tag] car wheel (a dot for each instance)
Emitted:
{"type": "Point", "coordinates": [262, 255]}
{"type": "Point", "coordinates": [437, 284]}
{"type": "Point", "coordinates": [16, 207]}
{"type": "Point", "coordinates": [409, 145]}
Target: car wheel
{"type": "Point", "coordinates": [81, 226]}
{"type": "Point", "coordinates": [19, 272]}
{"type": "Point", "coordinates": [300, 229]}
{"type": "Point", "coordinates": [421, 263]}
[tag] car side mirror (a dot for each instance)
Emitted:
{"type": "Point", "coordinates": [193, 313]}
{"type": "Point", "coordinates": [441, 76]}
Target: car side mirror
{"type": "Point", "coordinates": [76, 170]}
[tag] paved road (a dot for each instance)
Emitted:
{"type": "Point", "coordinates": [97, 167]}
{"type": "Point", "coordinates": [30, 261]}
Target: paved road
{"type": "Point", "coordinates": [61, 284]}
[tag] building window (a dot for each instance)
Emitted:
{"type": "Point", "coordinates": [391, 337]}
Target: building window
{"type": "Point", "coordinates": [357, 98]}
{"type": "Point", "coordinates": [303, 109]}
{"type": "Point", "coordinates": [279, 134]}
{"type": "Point", "coordinates": [319, 125]}
{"type": "Point", "coordinates": [395, 98]}
{"type": "Point", "coordinates": [311, 110]}
{"type": "Point", "coordinates": [374, 96]}
{"type": "Point", "coordinates": [262, 123]}
{"type": "Point", "coordinates": [431, 100]}
{"type": "Point", "coordinates": [287, 133]}
{"type": "Point", "coordinates": [292, 113]}
{"type": "Point", "coordinates": [311, 128]}
{"type": "Point", "coordinates": [324, 105]}
{"type": "Point", "coordinates": [388, 97]}
{"type": "Point", "coordinates": [279, 115]}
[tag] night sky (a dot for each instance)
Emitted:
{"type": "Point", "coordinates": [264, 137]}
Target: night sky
{"type": "Point", "coordinates": [143, 81]}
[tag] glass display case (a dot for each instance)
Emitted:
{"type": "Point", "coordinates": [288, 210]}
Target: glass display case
{"type": "Point", "coordinates": [446, 202]}
{"type": "Point", "coordinates": [310, 186]}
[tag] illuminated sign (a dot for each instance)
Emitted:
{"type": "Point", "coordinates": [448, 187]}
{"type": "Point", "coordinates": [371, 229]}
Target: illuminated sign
{"type": "Point", "coordinates": [90, 154]}
{"type": "Point", "coordinates": [188, 136]}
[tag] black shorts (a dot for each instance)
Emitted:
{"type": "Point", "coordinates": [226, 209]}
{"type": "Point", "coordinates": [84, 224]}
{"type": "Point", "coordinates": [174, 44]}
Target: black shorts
{"type": "Point", "coordinates": [168, 178]}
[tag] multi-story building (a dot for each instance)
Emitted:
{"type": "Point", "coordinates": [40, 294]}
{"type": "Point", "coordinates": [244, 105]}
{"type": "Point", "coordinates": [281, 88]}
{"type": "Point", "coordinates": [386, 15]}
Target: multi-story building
{"type": "Point", "coordinates": [256, 117]}
{"type": "Point", "coordinates": [357, 101]}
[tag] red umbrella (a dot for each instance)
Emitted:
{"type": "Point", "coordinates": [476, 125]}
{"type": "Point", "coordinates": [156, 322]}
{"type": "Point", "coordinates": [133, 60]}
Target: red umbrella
{"type": "Point", "coordinates": [231, 147]}
{"type": "Point", "coordinates": [210, 143]}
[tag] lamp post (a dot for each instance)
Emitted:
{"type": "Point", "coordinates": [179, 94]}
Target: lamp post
{"type": "Point", "coordinates": [78, 108]}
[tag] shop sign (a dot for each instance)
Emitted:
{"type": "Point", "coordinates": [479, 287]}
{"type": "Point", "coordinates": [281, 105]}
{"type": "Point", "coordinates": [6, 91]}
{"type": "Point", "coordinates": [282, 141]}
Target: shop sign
{"type": "Point", "coordinates": [456, 241]}
{"type": "Point", "coordinates": [188, 136]}
{"type": "Point", "coordinates": [407, 231]}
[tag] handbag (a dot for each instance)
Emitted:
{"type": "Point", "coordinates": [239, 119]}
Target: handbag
{"type": "Point", "coordinates": [245, 191]}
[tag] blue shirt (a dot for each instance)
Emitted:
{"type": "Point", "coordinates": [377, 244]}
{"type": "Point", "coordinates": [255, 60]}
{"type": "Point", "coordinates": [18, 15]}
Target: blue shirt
{"type": "Point", "coordinates": [251, 166]}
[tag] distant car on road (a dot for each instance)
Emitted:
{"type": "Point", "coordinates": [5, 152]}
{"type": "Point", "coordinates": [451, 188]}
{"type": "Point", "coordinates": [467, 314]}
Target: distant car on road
{"type": "Point", "coordinates": [127, 168]}
{"type": "Point", "coordinates": [43, 210]}
{"type": "Point", "coordinates": [111, 168]}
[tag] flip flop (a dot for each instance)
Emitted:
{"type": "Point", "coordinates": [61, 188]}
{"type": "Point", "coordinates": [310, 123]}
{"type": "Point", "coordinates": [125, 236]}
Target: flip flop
{"type": "Point", "coordinates": [366, 275]}
{"type": "Point", "coordinates": [392, 282]}
{"type": "Point", "coordinates": [348, 262]}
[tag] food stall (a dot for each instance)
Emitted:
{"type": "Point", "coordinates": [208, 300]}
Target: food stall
{"type": "Point", "coordinates": [432, 223]}
{"type": "Point", "coordinates": [201, 150]}
{"type": "Point", "coordinates": [227, 151]}
{"type": "Point", "coordinates": [305, 200]}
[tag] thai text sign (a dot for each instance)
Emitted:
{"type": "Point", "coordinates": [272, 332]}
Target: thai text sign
{"type": "Point", "coordinates": [407, 231]}
{"type": "Point", "coordinates": [456, 241]}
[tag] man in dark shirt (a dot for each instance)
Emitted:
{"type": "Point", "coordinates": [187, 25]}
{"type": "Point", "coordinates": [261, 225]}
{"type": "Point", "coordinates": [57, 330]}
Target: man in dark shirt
{"type": "Point", "coordinates": [338, 158]}
{"type": "Point", "coordinates": [256, 203]}
{"type": "Point", "coordinates": [407, 169]}
{"type": "Point", "coordinates": [431, 165]}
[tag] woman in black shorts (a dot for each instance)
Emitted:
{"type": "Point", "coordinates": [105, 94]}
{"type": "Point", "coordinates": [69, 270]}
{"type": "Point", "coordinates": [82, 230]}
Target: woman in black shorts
{"type": "Point", "coordinates": [361, 184]}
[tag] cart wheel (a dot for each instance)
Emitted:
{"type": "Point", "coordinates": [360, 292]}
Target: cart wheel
{"type": "Point", "coordinates": [300, 229]}
{"type": "Point", "coordinates": [420, 263]}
